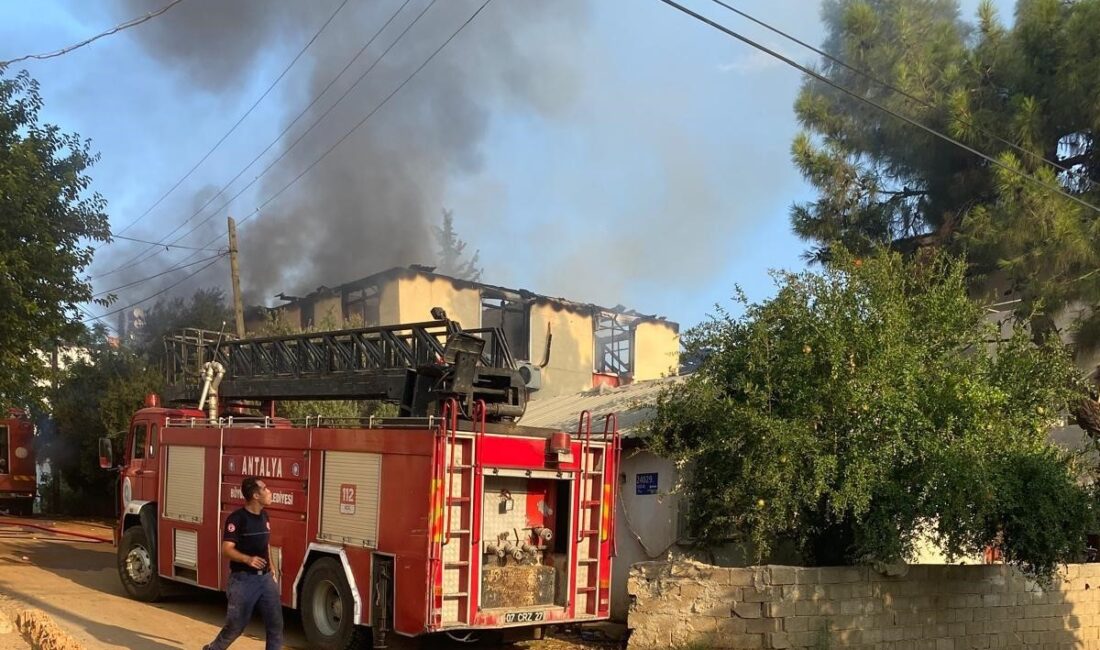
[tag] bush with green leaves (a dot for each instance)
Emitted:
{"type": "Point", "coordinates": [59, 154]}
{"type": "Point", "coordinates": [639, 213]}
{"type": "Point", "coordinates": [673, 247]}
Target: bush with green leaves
{"type": "Point", "coordinates": [866, 403]}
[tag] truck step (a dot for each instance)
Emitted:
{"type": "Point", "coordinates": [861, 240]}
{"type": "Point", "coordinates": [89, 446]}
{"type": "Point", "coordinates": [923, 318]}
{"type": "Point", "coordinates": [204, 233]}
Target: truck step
{"type": "Point", "coordinates": [457, 500]}
{"type": "Point", "coordinates": [590, 504]}
{"type": "Point", "coordinates": [589, 533]}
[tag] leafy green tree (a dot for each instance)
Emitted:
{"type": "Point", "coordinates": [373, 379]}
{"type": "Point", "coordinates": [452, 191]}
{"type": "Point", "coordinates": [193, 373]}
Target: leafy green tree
{"type": "Point", "coordinates": [95, 397]}
{"type": "Point", "coordinates": [880, 181]}
{"type": "Point", "coordinates": [339, 409]}
{"type": "Point", "coordinates": [48, 219]}
{"type": "Point", "coordinates": [865, 403]}
{"type": "Point", "coordinates": [206, 309]}
{"type": "Point", "coordinates": [452, 251]}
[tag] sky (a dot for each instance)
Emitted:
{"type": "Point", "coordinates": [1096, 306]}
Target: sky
{"type": "Point", "coordinates": [614, 152]}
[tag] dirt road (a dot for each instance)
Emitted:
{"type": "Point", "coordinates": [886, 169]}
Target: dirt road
{"type": "Point", "coordinates": [76, 583]}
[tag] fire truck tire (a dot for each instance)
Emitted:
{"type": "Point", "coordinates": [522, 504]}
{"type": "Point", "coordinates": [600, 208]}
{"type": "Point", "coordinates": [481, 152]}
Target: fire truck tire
{"type": "Point", "coordinates": [136, 566]}
{"type": "Point", "coordinates": [328, 609]}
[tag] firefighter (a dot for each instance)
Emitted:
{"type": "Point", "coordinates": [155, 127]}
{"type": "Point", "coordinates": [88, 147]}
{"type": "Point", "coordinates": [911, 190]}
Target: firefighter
{"type": "Point", "coordinates": [251, 583]}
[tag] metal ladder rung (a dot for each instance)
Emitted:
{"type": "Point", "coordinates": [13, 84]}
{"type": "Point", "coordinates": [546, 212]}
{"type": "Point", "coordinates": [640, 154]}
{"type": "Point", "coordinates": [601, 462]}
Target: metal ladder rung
{"type": "Point", "coordinates": [456, 565]}
{"type": "Point", "coordinates": [580, 590]}
{"type": "Point", "coordinates": [589, 533]}
{"type": "Point", "coordinates": [463, 531]}
{"type": "Point", "coordinates": [460, 468]}
{"type": "Point", "coordinates": [451, 501]}
{"type": "Point", "coordinates": [590, 560]}
{"type": "Point", "coordinates": [457, 594]}
{"type": "Point", "coordinates": [590, 504]}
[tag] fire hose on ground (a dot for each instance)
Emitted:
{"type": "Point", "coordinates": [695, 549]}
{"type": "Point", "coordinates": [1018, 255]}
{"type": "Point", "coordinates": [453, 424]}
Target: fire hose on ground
{"type": "Point", "coordinates": [18, 523]}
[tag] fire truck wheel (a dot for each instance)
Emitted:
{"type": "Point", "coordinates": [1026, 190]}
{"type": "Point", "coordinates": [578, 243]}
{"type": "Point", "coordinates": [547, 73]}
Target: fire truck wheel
{"type": "Point", "coordinates": [328, 609]}
{"type": "Point", "coordinates": [136, 567]}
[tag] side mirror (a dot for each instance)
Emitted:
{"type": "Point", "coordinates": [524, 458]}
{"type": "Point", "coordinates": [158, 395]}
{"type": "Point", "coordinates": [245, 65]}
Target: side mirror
{"type": "Point", "coordinates": [106, 454]}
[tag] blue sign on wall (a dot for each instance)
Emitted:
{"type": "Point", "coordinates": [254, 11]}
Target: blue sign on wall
{"type": "Point", "coordinates": [645, 483]}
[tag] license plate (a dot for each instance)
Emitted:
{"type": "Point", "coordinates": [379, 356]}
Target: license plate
{"type": "Point", "coordinates": [524, 617]}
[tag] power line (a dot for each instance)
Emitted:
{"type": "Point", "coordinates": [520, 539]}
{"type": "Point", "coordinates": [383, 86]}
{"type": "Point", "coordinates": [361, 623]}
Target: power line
{"type": "Point", "coordinates": [367, 117]}
{"type": "Point", "coordinates": [302, 135]}
{"type": "Point", "coordinates": [134, 22]}
{"type": "Point", "coordinates": [165, 272]}
{"type": "Point", "coordinates": [871, 102]}
{"type": "Point", "coordinates": [149, 252]}
{"type": "Point", "coordinates": [317, 160]}
{"type": "Point", "coordinates": [94, 317]}
{"type": "Point", "coordinates": [867, 75]}
{"type": "Point", "coordinates": [154, 295]}
{"type": "Point", "coordinates": [239, 120]}
{"type": "Point", "coordinates": [154, 243]}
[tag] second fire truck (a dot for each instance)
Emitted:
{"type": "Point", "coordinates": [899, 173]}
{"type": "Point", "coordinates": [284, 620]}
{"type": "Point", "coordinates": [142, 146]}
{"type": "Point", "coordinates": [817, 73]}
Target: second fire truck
{"type": "Point", "coordinates": [448, 519]}
{"type": "Point", "coordinates": [18, 482]}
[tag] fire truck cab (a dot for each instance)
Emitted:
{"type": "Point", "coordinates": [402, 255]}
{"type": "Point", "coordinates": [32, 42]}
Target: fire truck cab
{"type": "Point", "coordinates": [18, 478]}
{"type": "Point", "coordinates": [448, 519]}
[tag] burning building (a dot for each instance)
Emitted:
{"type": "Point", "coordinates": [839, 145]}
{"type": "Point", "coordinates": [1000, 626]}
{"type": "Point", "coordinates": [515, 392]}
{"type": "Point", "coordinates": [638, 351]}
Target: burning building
{"type": "Point", "coordinates": [563, 346]}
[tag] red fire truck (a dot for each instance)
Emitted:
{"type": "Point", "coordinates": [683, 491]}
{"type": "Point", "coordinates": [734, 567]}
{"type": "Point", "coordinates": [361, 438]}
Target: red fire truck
{"type": "Point", "coordinates": [447, 519]}
{"type": "Point", "coordinates": [18, 483]}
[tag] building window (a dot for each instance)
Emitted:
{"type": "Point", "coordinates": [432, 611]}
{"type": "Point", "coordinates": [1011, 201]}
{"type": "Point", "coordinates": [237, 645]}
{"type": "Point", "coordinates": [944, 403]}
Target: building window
{"type": "Point", "coordinates": [305, 321]}
{"type": "Point", "coordinates": [513, 319]}
{"type": "Point", "coordinates": [614, 339]}
{"type": "Point", "coordinates": [361, 307]}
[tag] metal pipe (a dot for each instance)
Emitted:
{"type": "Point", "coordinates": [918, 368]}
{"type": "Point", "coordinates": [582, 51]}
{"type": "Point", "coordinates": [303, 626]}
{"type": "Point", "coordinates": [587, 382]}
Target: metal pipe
{"type": "Point", "coordinates": [213, 372]}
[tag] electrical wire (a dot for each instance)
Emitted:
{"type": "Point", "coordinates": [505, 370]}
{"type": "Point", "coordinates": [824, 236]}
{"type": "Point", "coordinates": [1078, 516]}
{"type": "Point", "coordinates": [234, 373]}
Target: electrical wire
{"type": "Point", "coordinates": [242, 118]}
{"type": "Point", "coordinates": [368, 116]}
{"type": "Point", "coordinates": [154, 243]}
{"type": "Point", "coordinates": [331, 148]}
{"type": "Point", "coordinates": [829, 82]}
{"type": "Point", "coordinates": [162, 273]}
{"type": "Point", "coordinates": [302, 136]}
{"type": "Point", "coordinates": [93, 317]}
{"type": "Point", "coordinates": [867, 75]}
{"type": "Point", "coordinates": [154, 295]}
{"type": "Point", "coordinates": [149, 252]}
{"type": "Point", "coordinates": [134, 22]}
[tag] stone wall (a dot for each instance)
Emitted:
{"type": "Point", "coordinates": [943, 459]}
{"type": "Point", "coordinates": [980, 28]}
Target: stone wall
{"type": "Point", "coordinates": [690, 605]}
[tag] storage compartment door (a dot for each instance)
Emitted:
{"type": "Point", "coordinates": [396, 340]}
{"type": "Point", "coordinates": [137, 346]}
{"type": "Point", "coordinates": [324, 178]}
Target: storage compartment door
{"type": "Point", "coordinates": [184, 488]}
{"type": "Point", "coordinates": [349, 502]}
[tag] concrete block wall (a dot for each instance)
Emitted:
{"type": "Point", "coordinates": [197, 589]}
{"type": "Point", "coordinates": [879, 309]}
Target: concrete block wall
{"type": "Point", "coordinates": [938, 607]}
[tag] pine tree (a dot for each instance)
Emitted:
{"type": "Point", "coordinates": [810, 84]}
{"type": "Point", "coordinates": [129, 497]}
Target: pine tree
{"type": "Point", "coordinates": [452, 249]}
{"type": "Point", "coordinates": [882, 181]}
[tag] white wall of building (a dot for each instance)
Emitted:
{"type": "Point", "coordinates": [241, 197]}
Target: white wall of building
{"type": "Point", "coordinates": [649, 516]}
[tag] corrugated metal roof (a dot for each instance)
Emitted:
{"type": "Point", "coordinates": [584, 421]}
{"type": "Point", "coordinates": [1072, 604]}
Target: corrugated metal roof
{"type": "Point", "coordinates": [633, 404]}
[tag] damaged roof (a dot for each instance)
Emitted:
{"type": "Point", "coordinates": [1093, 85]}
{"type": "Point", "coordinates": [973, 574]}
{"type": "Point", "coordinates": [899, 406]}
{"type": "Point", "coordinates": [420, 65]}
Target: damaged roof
{"type": "Point", "coordinates": [488, 291]}
{"type": "Point", "coordinates": [633, 405]}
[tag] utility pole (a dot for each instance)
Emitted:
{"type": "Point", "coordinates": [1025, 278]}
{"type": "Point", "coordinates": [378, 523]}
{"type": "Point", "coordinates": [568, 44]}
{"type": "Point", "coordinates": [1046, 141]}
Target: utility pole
{"type": "Point", "coordinates": [235, 274]}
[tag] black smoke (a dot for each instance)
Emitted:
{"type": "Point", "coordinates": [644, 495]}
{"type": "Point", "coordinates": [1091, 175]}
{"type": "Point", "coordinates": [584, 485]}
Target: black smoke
{"type": "Point", "coordinates": [369, 204]}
